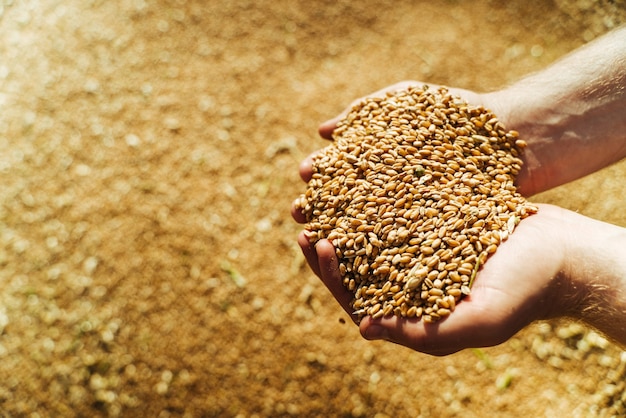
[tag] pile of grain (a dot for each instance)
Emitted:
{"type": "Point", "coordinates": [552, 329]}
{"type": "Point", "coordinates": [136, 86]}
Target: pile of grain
{"type": "Point", "coordinates": [415, 193]}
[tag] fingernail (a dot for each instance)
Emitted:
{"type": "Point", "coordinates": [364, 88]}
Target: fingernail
{"type": "Point", "coordinates": [376, 332]}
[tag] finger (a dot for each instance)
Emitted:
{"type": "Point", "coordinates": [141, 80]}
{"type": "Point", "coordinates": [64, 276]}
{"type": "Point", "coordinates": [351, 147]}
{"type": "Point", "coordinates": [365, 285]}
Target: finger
{"type": "Point", "coordinates": [413, 333]}
{"type": "Point", "coordinates": [330, 275]}
{"type": "Point", "coordinates": [306, 173]}
{"type": "Point", "coordinates": [472, 324]}
{"type": "Point", "coordinates": [326, 129]}
{"type": "Point", "coordinates": [309, 252]}
{"type": "Point", "coordinates": [297, 214]}
{"type": "Point", "coordinates": [306, 168]}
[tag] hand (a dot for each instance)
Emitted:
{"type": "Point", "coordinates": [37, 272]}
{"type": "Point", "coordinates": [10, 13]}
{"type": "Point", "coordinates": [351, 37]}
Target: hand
{"type": "Point", "coordinates": [498, 306]}
{"type": "Point", "coordinates": [326, 129]}
{"type": "Point", "coordinates": [519, 284]}
{"type": "Point", "coordinates": [528, 182]}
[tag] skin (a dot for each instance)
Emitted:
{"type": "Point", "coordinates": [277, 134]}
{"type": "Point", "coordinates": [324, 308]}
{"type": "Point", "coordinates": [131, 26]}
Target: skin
{"type": "Point", "coordinates": [557, 263]}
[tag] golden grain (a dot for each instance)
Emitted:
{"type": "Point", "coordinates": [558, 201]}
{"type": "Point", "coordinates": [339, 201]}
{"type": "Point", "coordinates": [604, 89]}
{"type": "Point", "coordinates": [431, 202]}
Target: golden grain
{"type": "Point", "coordinates": [443, 312]}
{"type": "Point", "coordinates": [435, 292]}
{"type": "Point", "coordinates": [408, 194]}
{"type": "Point", "coordinates": [388, 310]}
{"type": "Point", "coordinates": [454, 292]}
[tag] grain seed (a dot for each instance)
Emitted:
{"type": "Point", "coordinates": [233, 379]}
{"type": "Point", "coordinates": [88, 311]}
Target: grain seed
{"type": "Point", "coordinates": [407, 194]}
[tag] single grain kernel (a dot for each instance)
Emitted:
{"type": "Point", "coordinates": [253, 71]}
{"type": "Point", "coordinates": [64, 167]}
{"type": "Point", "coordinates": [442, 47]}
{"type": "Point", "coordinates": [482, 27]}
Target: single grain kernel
{"type": "Point", "coordinates": [454, 292]}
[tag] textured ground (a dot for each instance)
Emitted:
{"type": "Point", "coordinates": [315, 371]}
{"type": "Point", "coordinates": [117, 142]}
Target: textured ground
{"type": "Point", "coordinates": [148, 160]}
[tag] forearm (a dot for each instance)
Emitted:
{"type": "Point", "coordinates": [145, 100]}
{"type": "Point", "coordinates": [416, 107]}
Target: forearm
{"type": "Point", "coordinates": [572, 114]}
{"type": "Point", "coordinates": [595, 270]}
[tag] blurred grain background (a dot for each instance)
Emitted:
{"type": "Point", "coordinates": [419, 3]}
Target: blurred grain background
{"type": "Point", "coordinates": [148, 159]}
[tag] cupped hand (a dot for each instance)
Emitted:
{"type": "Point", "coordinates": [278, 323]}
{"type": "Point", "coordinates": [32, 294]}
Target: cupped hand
{"type": "Point", "coordinates": [516, 286]}
{"type": "Point", "coordinates": [519, 284]}
{"type": "Point", "coordinates": [326, 129]}
{"type": "Point", "coordinates": [547, 161]}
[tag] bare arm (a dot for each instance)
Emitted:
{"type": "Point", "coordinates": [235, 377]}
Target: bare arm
{"type": "Point", "coordinates": [572, 114]}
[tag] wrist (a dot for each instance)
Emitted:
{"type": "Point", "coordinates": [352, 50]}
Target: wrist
{"type": "Point", "coordinates": [594, 274]}
{"type": "Point", "coordinates": [563, 290]}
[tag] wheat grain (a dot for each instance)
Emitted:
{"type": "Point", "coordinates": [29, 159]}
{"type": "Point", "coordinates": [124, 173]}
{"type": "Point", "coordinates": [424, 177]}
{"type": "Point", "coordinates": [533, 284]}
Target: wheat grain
{"type": "Point", "coordinates": [415, 193]}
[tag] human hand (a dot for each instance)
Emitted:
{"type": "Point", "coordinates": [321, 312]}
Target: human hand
{"type": "Point", "coordinates": [326, 129]}
{"type": "Point", "coordinates": [569, 132]}
{"type": "Point", "coordinates": [485, 323]}
{"type": "Point", "coordinates": [501, 103]}
{"type": "Point", "coordinates": [519, 284]}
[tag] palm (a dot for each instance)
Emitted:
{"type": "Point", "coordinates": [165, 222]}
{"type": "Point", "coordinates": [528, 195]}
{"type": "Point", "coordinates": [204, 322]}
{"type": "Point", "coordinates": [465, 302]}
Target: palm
{"type": "Point", "coordinates": [509, 292]}
{"type": "Point", "coordinates": [514, 288]}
